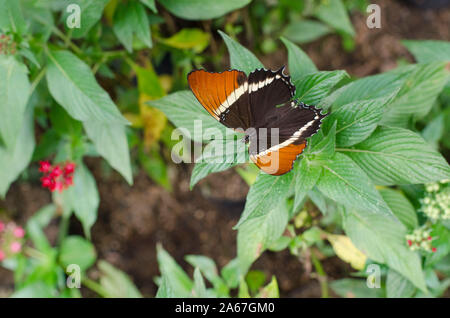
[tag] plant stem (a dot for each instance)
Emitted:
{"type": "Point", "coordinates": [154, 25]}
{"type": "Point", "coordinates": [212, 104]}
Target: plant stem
{"type": "Point", "coordinates": [94, 286]}
{"type": "Point", "coordinates": [33, 253]}
{"type": "Point", "coordinates": [63, 227]}
{"type": "Point", "coordinates": [37, 80]}
{"type": "Point", "coordinates": [321, 275]}
{"type": "Point", "coordinates": [67, 41]}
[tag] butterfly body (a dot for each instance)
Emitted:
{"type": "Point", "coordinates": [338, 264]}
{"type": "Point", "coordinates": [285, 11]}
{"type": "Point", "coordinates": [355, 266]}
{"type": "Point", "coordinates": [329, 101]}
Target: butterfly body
{"type": "Point", "coordinates": [262, 106]}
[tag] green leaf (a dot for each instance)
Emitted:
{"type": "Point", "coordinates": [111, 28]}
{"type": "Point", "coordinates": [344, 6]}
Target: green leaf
{"type": "Point", "coordinates": [150, 4]}
{"type": "Point", "coordinates": [40, 20]}
{"type": "Point", "coordinates": [434, 131]}
{"type": "Point", "coordinates": [243, 290]}
{"type": "Point", "coordinates": [180, 283]}
{"type": "Point", "coordinates": [398, 156]}
{"type": "Point", "coordinates": [240, 57]}
{"type": "Point", "coordinates": [164, 289]}
{"type": "Point", "coordinates": [305, 31]}
{"type": "Point", "coordinates": [116, 283]}
{"type": "Point", "coordinates": [36, 224]}
{"type": "Point", "coordinates": [258, 233]}
{"type": "Point", "coordinates": [255, 279]}
{"type": "Point", "coordinates": [14, 93]}
{"type": "Point", "coordinates": [312, 88]}
{"type": "Point", "coordinates": [130, 20]}
{"type": "Point", "coordinates": [35, 290]}
{"type": "Point", "coordinates": [344, 182]}
{"type": "Point", "coordinates": [186, 39]}
{"type": "Point", "coordinates": [83, 187]}
{"type": "Point", "coordinates": [29, 55]}
{"type": "Point", "coordinates": [231, 273]}
{"type": "Point", "coordinates": [401, 207]}
{"type": "Point", "coordinates": [398, 286]}
{"type": "Point", "coordinates": [218, 156]}
{"type": "Point", "coordinates": [202, 9]}
{"type": "Point", "coordinates": [333, 13]}
{"type": "Point", "coordinates": [156, 167]}
{"type": "Point", "coordinates": [73, 86]}
{"type": "Point", "coordinates": [271, 290]}
{"type": "Point", "coordinates": [426, 51]}
{"type": "Point", "coordinates": [322, 147]}
{"type": "Point", "coordinates": [265, 194]}
{"type": "Point", "coordinates": [76, 250]}
{"type": "Point", "coordinates": [306, 176]}
{"type": "Point", "coordinates": [209, 270]}
{"type": "Point", "coordinates": [382, 239]}
{"type": "Point", "coordinates": [63, 124]}
{"type": "Point", "coordinates": [367, 88]}
{"type": "Point", "coordinates": [422, 86]}
{"type": "Point", "coordinates": [299, 63]}
{"type": "Point", "coordinates": [205, 264]}
{"type": "Point", "coordinates": [354, 288]}
{"type": "Point", "coordinates": [11, 18]}
{"type": "Point", "coordinates": [16, 158]}
{"type": "Point", "coordinates": [91, 12]}
{"type": "Point", "coordinates": [183, 109]}
{"type": "Point", "coordinates": [199, 284]}
{"type": "Point", "coordinates": [110, 140]}
{"type": "Point", "coordinates": [357, 120]}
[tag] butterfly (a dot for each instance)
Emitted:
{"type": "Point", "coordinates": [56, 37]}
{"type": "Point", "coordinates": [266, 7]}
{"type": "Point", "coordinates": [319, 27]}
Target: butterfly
{"type": "Point", "coordinates": [259, 104]}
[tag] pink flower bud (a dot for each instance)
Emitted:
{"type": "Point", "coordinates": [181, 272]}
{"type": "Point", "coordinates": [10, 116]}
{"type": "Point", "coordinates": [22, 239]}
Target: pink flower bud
{"type": "Point", "coordinates": [58, 186]}
{"type": "Point", "coordinates": [56, 172]}
{"type": "Point", "coordinates": [434, 249]}
{"type": "Point", "coordinates": [2, 226]}
{"type": "Point", "coordinates": [47, 182]}
{"type": "Point", "coordinates": [15, 247]}
{"type": "Point", "coordinates": [44, 166]}
{"type": "Point", "coordinates": [19, 232]}
{"type": "Point", "coordinates": [2, 256]}
{"type": "Point", "coordinates": [68, 181]}
{"type": "Point", "coordinates": [69, 168]}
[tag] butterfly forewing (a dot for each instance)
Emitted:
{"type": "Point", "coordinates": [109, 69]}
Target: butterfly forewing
{"type": "Point", "coordinates": [224, 95]}
{"type": "Point", "coordinates": [268, 89]}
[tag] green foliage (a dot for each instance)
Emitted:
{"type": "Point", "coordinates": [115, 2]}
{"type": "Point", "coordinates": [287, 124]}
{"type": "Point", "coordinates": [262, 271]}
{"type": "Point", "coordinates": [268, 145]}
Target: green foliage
{"type": "Point", "coordinates": [130, 21]}
{"type": "Point", "coordinates": [77, 250]}
{"type": "Point", "coordinates": [116, 284]}
{"type": "Point", "coordinates": [202, 9]}
{"type": "Point", "coordinates": [345, 161]}
{"type": "Point", "coordinates": [104, 96]}
{"type": "Point", "coordinates": [18, 156]}
{"type": "Point", "coordinates": [14, 88]}
{"type": "Point", "coordinates": [84, 187]}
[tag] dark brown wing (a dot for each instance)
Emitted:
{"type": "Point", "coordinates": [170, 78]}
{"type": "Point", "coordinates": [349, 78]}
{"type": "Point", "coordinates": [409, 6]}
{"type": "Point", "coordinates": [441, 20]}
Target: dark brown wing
{"type": "Point", "coordinates": [267, 89]}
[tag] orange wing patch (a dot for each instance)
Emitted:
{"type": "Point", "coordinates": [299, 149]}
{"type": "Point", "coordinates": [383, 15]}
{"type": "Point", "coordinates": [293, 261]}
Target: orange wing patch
{"type": "Point", "coordinates": [213, 89]}
{"type": "Point", "coordinates": [280, 161]}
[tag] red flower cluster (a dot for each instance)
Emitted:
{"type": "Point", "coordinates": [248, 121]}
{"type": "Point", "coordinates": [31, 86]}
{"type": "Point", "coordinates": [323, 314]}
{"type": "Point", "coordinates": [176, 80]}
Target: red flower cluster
{"type": "Point", "coordinates": [56, 177]}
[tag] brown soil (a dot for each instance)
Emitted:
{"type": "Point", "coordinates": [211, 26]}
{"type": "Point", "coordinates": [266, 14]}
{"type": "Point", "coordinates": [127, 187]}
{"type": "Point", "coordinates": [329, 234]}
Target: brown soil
{"type": "Point", "coordinates": [132, 220]}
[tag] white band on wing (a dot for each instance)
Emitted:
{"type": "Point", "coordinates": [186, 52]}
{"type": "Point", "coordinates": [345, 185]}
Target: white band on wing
{"type": "Point", "coordinates": [294, 137]}
{"type": "Point", "coordinates": [232, 98]}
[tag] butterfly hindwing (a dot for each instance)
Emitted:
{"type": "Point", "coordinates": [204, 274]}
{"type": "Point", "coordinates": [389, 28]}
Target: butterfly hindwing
{"type": "Point", "coordinates": [276, 151]}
